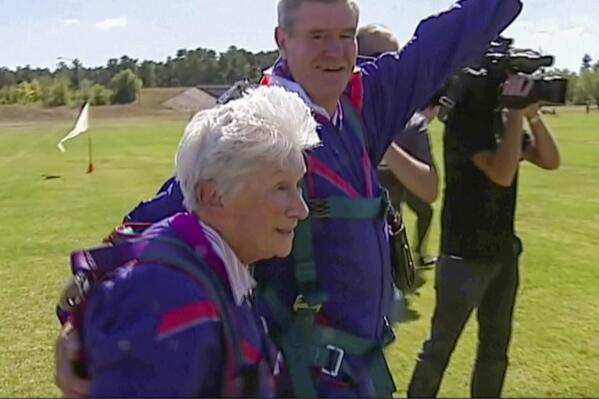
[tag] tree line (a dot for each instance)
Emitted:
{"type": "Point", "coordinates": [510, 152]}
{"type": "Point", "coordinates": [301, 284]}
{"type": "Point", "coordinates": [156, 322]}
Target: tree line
{"type": "Point", "coordinates": [121, 78]}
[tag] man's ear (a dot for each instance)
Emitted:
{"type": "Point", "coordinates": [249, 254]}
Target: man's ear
{"type": "Point", "coordinates": [208, 195]}
{"type": "Point", "coordinates": [280, 39]}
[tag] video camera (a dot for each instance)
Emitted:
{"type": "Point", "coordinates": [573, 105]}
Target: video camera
{"type": "Point", "coordinates": [477, 86]}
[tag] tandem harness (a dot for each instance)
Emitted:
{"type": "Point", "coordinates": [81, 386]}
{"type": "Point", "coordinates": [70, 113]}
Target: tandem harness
{"type": "Point", "coordinates": [305, 343]}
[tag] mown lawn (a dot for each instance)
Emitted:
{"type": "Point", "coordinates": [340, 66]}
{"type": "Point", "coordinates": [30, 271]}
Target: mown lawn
{"type": "Point", "coordinates": [48, 206]}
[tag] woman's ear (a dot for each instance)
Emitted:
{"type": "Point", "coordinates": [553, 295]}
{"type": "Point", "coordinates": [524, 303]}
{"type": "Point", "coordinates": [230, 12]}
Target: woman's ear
{"type": "Point", "coordinates": [208, 195]}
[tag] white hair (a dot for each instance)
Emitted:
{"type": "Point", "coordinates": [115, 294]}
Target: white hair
{"type": "Point", "coordinates": [226, 142]}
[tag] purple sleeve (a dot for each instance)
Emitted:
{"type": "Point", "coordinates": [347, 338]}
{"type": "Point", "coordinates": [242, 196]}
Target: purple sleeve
{"type": "Point", "coordinates": [397, 84]}
{"type": "Point", "coordinates": [144, 335]}
{"type": "Point", "coordinates": [167, 201]}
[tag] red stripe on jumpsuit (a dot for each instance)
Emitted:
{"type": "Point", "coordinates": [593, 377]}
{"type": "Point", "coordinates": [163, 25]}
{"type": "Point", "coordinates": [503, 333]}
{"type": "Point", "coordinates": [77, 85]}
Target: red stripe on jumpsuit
{"type": "Point", "coordinates": [185, 317]}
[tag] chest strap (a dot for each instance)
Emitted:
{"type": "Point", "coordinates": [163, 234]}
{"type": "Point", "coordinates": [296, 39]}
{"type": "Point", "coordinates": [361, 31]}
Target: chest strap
{"type": "Point", "coordinates": [307, 344]}
{"type": "Point", "coordinates": [347, 208]}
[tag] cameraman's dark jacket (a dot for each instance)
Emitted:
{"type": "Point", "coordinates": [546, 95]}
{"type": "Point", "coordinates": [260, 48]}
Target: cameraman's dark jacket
{"type": "Point", "coordinates": [478, 215]}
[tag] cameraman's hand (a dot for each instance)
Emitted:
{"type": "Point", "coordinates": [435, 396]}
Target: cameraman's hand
{"type": "Point", "coordinates": [531, 111]}
{"type": "Point", "coordinates": [516, 91]}
{"type": "Point", "coordinates": [68, 351]}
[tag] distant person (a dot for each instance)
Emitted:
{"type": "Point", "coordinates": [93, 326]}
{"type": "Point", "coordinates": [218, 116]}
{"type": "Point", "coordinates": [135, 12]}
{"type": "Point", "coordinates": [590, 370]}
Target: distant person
{"type": "Point", "coordinates": [409, 157]}
{"type": "Point", "coordinates": [156, 329]}
{"type": "Point", "coordinates": [327, 302]}
{"type": "Point", "coordinates": [407, 167]}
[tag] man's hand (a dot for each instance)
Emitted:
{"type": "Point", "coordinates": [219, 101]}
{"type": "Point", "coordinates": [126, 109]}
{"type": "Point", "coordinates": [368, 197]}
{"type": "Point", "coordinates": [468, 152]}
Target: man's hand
{"type": "Point", "coordinates": [416, 176]}
{"type": "Point", "coordinates": [68, 351]}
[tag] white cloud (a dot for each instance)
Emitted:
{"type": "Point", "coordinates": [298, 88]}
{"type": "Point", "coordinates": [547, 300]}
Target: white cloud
{"type": "Point", "coordinates": [111, 23]}
{"type": "Point", "coordinates": [70, 21]}
{"type": "Point", "coordinates": [567, 37]}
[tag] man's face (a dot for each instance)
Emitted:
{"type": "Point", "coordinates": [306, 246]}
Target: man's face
{"type": "Point", "coordinates": [320, 49]}
{"type": "Point", "coordinates": [266, 210]}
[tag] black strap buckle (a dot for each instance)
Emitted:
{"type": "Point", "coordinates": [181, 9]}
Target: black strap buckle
{"type": "Point", "coordinates": [75, 291]}
{"type": "Point", "coordinates": [319, 208]}
{"type": "Point", "coordinates": [334, 361]}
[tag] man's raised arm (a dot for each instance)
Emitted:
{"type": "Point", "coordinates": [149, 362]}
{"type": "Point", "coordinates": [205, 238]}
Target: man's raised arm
{"type": "Point", "coordinates": [397, 84]}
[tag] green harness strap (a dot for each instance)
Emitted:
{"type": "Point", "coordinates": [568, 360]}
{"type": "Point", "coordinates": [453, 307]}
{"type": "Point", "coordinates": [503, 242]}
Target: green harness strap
{"type": "Point", "coordinates": [347, 208]}
{"type": "Point", "coordinates": [305, 343]}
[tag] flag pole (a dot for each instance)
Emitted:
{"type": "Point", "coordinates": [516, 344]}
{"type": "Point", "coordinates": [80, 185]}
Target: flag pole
{"type": "Point", "coordinates": [90, 164]}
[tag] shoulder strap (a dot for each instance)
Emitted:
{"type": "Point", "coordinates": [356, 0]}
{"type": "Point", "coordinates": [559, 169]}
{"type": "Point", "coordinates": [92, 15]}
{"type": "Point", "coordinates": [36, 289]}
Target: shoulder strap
{"type": "Point", "coordinates": [353, 118]}
{"type": "Point", "coordinates": [304, 267]}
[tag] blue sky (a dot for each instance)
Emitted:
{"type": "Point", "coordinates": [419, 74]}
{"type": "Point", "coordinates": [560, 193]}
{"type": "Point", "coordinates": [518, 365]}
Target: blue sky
{"type": "Point", "coordinates": [36, 32]}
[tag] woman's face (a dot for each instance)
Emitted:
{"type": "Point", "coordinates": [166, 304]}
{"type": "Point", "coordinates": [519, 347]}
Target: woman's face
{"type": "Point", "coordinates": [264, 212]}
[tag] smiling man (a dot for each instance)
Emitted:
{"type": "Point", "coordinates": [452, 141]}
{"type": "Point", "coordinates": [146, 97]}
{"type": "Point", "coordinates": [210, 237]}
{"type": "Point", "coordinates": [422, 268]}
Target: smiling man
{"type": "Point", "coordinates": [325, 304]}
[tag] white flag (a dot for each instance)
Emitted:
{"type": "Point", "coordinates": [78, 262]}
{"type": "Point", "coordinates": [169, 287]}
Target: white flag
{"type": "Point", "coordinates": [81, 125]}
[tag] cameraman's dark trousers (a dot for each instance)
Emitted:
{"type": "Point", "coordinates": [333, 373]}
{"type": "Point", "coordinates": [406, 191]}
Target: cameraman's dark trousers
{"type": "Point", "coordinates": [462, 285]}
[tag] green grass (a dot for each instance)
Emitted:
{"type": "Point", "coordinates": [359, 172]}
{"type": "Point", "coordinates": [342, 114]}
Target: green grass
{"type": "Point", "coordinates": [42, 220]}
{"type": "Point", "coordinates": [555, 349]}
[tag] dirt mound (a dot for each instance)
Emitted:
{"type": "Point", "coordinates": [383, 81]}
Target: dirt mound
{"type": "Point", "coordinates": [191, 100]}
{"type": "Point", "coordinates": [155, 96]}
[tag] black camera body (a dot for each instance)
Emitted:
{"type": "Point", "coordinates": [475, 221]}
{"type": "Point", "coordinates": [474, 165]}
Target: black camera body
{"type": "Point", "coordinates": [477, 86]}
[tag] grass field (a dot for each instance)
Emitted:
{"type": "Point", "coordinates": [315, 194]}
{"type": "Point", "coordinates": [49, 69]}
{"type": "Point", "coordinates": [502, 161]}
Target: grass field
{"type": "Point", "coordinates": [48, 206]}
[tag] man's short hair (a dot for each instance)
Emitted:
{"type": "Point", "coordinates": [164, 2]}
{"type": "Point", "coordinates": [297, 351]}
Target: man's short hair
{"type": "Point", "coordinates": [287, 8]}
{"type": "Point", "coordinates": [374, 39]}
{"type": "Point", "coordinates": [225, 143]}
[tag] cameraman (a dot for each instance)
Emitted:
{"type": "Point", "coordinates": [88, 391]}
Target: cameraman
{"type": "Point", "coordinates": [478, 266]}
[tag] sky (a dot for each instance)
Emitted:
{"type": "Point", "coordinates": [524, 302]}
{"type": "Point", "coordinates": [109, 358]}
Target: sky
{"type": "Point", "coordinates": [37, 32]}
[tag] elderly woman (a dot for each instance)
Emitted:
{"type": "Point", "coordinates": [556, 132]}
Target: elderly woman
{"type": "Point", "coordinates": [155, 328]}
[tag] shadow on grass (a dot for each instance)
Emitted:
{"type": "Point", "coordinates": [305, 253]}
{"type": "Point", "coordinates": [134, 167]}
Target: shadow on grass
{"type": "Point", "coordinates": [50, 177]}
{"type": "Point", "coordinates": [401, 310]}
